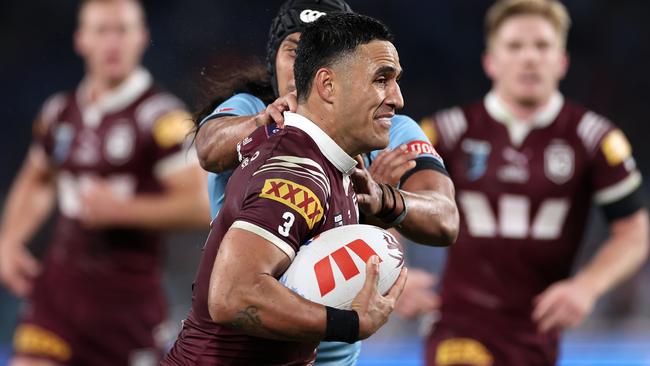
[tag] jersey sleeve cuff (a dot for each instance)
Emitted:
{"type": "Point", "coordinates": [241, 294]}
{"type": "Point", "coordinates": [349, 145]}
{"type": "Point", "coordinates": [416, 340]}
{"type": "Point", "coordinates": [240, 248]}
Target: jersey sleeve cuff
{"type": "Point", "coordinates": [214, 116]}
{"type": "Point", "coordinates": [625, 206]}
{"type": "Point", "coordinates": [283, 246]}
{"type": "Point", "coordinates": [422, 163]}
{"type": "Point", "coordinates": [618, 190]}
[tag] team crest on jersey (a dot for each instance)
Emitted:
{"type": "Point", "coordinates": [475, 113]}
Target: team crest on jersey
{"type": "Point", "coordinates": [63, 136]}
{"type": "Point", "coordinates": [478, 153]}
{"type": "Point", "coordinates": [296, 196]}
{"type": "Point", "coordinates": [119, 144]}
{"type": "Point", "coordinates": [559, 162]}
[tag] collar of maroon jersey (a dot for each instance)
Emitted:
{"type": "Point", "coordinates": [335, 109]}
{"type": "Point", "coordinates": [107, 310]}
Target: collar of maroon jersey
{"type": "Point", "coordinates": [519, 129]}
{"type": "Point", "coordinates": [332, 151]}
{"type": "Point", "coordinates": [119, 98]}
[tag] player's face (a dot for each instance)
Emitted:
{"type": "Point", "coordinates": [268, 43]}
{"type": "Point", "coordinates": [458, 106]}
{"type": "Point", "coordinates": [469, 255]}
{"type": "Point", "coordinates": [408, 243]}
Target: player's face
{"type": "Point", "coordinates": [111, 38]}
{"type": "Point", "coordinates": [370, 95]}
{"type": "Point", "coordinates": [526, 60]}
{"type": "Point", "coordinates": [284, 60]}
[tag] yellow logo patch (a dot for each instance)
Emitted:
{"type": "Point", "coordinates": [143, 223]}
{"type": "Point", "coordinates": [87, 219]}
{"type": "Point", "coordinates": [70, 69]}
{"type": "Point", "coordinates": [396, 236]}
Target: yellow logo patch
{"type": "Point", "coordinates": [463, 351]}
{"type": "Point", "coordinates": [429, 129]}
{"type": "Point", "coordinates": [300, 198]}
{"type": "Point", "coordinates": [172, 128]}
{"type": "Point", "coordinates": [616, 148]}
{"type": "Point", "coordinates": [36, 341]}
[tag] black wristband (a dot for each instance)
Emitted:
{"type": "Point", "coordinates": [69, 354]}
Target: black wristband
{"type": "Point", "coordinates": [342, 325]}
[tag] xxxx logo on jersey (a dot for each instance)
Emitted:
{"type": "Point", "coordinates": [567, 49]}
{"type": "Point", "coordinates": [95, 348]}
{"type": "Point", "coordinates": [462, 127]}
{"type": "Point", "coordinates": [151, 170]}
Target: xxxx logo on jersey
{"type": "Point", "coordinates": [300, 198]}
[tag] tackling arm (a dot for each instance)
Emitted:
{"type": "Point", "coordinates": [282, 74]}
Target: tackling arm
{"type": "Point", "coordinates": [432, 217]}
{"type": "Point", "coordinates": [217, 139]}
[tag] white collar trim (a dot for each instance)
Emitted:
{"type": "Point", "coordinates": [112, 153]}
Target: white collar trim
{"type": "Point", "coordinates": [519, 129]}
{"type": "Point", "coordinates": [124, 94]}
{"type": "Point", "coordinates": [332, 151]}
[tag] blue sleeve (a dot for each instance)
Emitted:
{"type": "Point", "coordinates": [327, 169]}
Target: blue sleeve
{"type": "Point", "coordinates": [405, 131]}
{"type": "Point", "coordinates": [216, 189]}
{"type": "Point", "coordinates": [242, 104]}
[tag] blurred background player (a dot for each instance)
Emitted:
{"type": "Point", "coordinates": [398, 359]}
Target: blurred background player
{"type": "Point", "coordinates": [296, 185]}
{"type": "Point", "coordinates": [246, 101]}
{"type": "Point", "coordinates": [527, 164]}
{"type": "Point", "coordinates": [110, 154]}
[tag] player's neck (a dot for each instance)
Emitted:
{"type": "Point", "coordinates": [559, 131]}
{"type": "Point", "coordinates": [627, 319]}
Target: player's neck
{"type": "Point", "coordinates": [320, 118]}
{"type": "Point", "coordinates": [522, 111]}
{"type": "Point", "coordinates": [315, 115]}
{"type": "Point", "coordinates": [98, 87]}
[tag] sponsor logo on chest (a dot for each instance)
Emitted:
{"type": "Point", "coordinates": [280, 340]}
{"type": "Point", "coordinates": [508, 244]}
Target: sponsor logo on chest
{"type": "Point", "coordinates": [296, 196]}
{"type": "Point", "coordinates": [516, 168]}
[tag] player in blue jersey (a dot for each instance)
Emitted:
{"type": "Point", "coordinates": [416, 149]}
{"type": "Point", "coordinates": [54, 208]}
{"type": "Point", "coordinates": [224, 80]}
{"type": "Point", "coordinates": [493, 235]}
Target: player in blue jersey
{"type": "Point", "coordinates": [253, 98]}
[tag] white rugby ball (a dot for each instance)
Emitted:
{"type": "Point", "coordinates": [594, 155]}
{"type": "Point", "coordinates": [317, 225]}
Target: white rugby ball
{"type": "Point", "coordinates": [331, 268]}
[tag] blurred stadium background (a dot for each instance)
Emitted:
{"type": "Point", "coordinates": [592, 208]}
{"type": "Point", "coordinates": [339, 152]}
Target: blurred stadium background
{"type": "Point", "coordinates": [440, 45]}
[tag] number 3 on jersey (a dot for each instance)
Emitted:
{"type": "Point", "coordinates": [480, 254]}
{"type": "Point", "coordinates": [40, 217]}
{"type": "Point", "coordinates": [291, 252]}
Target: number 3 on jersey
{"type": "Point", "coordinates": [284, 228]}
{"type": "Point", "coordinates": [513, 216]}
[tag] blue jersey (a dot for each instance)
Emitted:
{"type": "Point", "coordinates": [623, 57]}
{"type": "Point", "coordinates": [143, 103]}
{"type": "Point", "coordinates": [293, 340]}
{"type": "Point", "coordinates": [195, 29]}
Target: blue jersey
{"type": "Point", "coordinates": [403, 131]}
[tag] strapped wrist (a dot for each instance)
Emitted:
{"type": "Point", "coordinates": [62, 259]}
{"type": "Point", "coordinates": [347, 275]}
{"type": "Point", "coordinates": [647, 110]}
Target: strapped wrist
{"type": "Point", "coordinates": [342, 325]}
{"type": "Point", "coordinates": [394, 214]}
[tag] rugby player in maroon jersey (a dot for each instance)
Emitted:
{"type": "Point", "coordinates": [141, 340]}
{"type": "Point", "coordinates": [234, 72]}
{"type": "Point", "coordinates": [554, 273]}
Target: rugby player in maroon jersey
{"type": "Point", "coordinates": [110, 154]}
{"type": "Point", "coordinates": [296, 185]}
{"type": "Point", "coordinates": [527, 165]}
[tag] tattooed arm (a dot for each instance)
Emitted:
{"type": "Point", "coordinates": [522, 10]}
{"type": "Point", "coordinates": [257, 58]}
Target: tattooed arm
{"type": "Point", "coordinates": [245, 294]}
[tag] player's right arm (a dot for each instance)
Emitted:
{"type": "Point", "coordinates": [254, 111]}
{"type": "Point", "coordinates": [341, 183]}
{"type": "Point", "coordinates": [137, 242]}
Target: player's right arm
{"type": "Point", "coordinates": [29, 202]}
{"type": "Point", "coordinates": [230, 123]}
{"type": "Point", "coordinates": [245, 294]}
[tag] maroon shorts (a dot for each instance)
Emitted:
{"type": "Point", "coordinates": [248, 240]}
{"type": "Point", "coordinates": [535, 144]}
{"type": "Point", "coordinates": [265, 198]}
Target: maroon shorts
{"type": "Point", "coordinates": [482, 345]}
{"type": "Point", "coordinates": [74, 324]}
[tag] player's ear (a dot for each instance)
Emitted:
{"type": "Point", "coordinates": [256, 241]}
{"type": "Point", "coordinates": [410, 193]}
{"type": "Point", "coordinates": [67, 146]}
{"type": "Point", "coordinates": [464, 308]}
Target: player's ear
{"type": "Point", "coordinates": [324, 84]}
{"type": "Point", "coordinates": [564, 66]}
{"type": "Point", "coordinates": [488, 64]}
{"type": "Point", "coordinates": [144, 39]}
{"type": "Point", "coordinates": [79, 42]}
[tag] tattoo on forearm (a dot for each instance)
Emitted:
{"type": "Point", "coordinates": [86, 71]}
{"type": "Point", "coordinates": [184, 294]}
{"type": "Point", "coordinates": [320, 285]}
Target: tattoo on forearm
{"type": "Point", "coordinates": [248, 320]}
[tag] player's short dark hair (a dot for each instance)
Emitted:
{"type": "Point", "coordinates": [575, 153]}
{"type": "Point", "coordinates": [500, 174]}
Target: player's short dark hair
{"type": "Point", "coordinates": [330, 38]}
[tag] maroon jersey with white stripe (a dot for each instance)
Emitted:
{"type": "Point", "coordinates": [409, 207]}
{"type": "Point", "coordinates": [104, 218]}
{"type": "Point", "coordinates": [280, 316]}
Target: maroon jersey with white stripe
{"type": "Point", "coordinates": [290, 188]}
{"type": "Point", "coordinates": [99, 298]}
{"type": "Point", "coordinates": [132, 138]}
{"type": "Point", "coordinates": [524, 190]}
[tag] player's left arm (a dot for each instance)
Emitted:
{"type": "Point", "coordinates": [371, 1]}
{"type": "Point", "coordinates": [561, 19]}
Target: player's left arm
{"type": "Point", "coordinates": [183, 201]}
{"type": "Point", "coordinates": [567, 303]}
{"type": "Point", "coordinates": [431, 215]}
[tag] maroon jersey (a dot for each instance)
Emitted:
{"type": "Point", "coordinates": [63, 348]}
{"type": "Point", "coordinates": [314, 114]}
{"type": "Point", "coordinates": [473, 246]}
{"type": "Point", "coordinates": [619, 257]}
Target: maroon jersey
{"type": "Point", "coordinates": [291, 187]}
{"type": "Point", "coordinates": [524, 190]}
{"type": "Point", "coordinates": [132, 138]}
